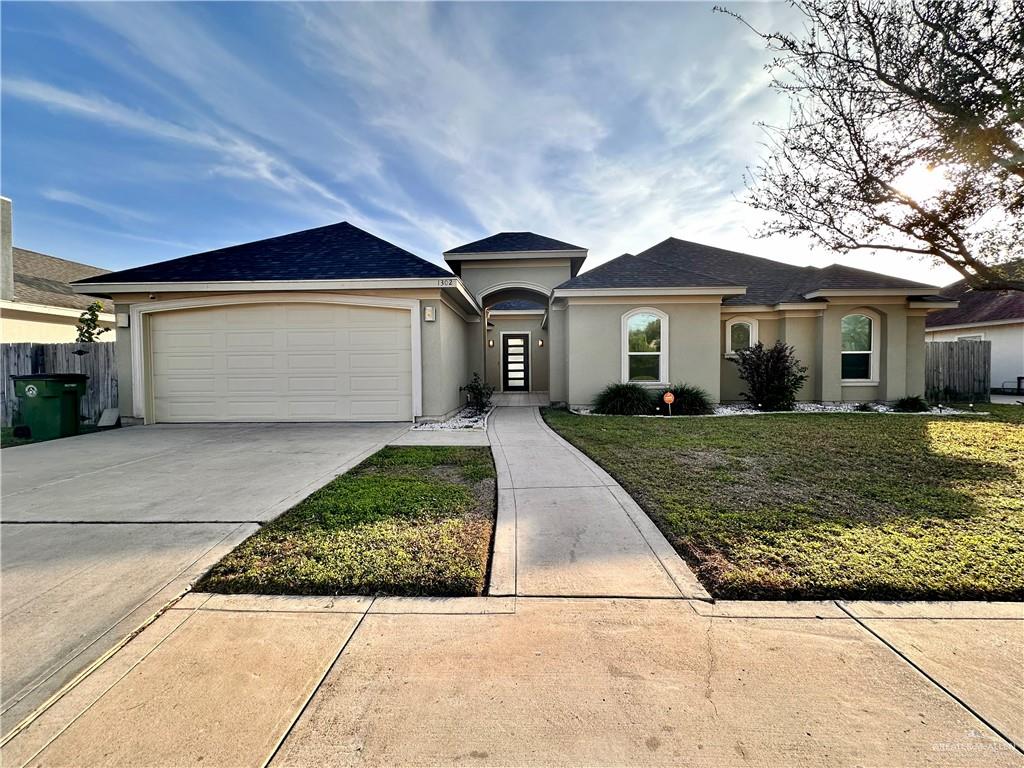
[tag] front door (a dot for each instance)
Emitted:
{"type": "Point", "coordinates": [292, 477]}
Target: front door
{"type": "Point", "coordinates": [515, 362]}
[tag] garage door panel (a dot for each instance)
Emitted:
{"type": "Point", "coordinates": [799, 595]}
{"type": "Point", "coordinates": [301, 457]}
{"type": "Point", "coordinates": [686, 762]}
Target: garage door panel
{"type": "Point", "coordinates": [282, 362]}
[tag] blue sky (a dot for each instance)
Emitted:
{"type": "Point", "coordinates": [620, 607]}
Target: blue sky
{"type": "Point", "coordinates": [139, 132]}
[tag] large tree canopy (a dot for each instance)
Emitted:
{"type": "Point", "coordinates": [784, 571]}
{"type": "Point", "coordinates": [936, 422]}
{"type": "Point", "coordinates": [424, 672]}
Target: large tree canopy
{"type": "Point", "coordinates": [906, 132]}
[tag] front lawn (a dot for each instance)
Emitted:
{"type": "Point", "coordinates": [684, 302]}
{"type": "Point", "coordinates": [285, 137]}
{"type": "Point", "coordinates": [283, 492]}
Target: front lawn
{"type": "Point", "coordinates": [828, 505]}
{"type": "Point", "coordinates": [407, 521]}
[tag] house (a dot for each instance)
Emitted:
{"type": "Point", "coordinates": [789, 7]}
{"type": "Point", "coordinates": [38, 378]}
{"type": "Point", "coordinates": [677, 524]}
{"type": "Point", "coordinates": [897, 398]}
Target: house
{"type": "Point", "coordinates": [995, 316]}
{"type": "Point", "coordinates": [335, 323]}
{"type": "Point", "coordinates": [37, 302]}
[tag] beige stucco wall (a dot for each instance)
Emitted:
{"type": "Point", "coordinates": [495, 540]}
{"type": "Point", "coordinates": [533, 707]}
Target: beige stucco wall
{"type": "Point", "coordinates": [901, 353]}
{"type": "Point", "coordinates": [558, 356]}
{"type": "Point", "coordinates": [481, 277]}
{"type": "Point", "coordinates": [17, 326]}
{"type": "Point", "coordinates": [539, 355]}
{"type": "Point", "coordinates": [1007, 348]}
{"type": "Point", "coordinates": [594, 337]}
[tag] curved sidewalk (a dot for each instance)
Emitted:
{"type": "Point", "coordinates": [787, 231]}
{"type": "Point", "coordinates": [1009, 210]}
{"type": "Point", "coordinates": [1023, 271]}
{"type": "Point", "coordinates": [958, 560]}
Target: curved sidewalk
{"type": "Point", "coordinates": [566, 529]}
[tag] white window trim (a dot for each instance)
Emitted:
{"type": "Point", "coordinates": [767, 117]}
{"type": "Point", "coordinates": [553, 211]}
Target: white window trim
{"type": "Point", "coordinates": [662, 354]}
{"type": "Point", "coordinates": [876, 324]}
{"type": "Point", "coordinates": [971, 337]}
{"type": "Point", "coordinates": [751, 321]}
{"type": "Point", "coordinates": [141, 397]}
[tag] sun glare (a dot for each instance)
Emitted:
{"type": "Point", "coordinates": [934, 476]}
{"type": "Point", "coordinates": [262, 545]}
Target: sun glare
{"type": "Point", "coordinates": [922, 182]}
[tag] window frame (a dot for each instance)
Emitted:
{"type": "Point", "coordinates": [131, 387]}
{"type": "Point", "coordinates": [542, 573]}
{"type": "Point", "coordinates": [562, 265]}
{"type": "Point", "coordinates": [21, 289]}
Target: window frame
{"type": "Point", "coordinates": [751, 321]}
{"type": "Point", "coordinates": [873, 353]}
{"type": "Point", "coordinates": [663, 347]}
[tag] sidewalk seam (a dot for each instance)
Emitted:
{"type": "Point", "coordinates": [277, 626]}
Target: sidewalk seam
{"type": "Point", "coordinates": [316, 688]}
{"type": "Point", "coordinates": [929, 678]}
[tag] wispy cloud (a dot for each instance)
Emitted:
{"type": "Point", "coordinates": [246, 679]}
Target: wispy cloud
{"type": "Point", "coordinates": [117, 213]}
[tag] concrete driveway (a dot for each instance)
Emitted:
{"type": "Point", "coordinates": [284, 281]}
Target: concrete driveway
{"type": "Point", "coordinates": [100, 531]}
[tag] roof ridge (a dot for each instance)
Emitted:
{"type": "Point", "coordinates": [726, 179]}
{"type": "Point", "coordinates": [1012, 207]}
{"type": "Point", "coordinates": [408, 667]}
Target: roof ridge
{"type": "Point", "coordinates": [687, 270]}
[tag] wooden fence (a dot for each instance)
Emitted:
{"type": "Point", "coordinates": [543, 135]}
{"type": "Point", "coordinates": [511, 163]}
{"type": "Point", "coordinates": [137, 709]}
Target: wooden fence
{"type": "Point", "coordinates": [958, 371]}
{"type": "Point", "coordinates": [100, 365]}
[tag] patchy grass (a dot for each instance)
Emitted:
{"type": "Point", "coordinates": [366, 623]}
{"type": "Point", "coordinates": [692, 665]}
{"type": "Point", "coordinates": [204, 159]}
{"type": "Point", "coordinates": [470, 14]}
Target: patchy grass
{"type": "Point", "coordinates": [8, 440]}
{"type": "Point", "coordinates": [828, 505]}
{"type": "Point", "coordinates": [407, 521]}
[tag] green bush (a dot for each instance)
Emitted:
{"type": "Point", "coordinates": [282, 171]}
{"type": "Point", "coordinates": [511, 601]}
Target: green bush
{"type": "Point", "coordinates": [912, 404]}
{"type": "Point", "coordinates": [624, 400]}
{"type": "Point", "coordinates": [690, 401]}
{"type": "Point", "coordinates": [478, 393]}
{"type": "Point", "coordinates": [773, 376]}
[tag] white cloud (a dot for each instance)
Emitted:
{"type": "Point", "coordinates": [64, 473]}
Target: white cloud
{"type": "Point", "coordinates": [118, 213]}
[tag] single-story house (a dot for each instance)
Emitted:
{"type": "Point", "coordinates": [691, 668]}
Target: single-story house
{"type": "Point", "coordinates": [995, 316]}
{"type": "Point", "coordinates": [335, 323]}
{"type": "Point", "coordinates": [37, 302]}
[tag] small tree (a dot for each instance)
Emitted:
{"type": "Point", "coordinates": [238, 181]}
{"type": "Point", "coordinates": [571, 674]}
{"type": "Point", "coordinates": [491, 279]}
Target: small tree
{"type": "Point", "coordinates": [773, 376]}
{"type": "Point", "coordinates": [89, 328]}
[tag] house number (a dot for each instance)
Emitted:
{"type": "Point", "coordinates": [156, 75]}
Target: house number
{"type": "Point", "coordinates": [446, 281]}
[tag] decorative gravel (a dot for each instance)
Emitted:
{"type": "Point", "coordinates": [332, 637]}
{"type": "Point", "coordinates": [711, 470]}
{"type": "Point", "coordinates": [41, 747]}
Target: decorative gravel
{"type": "Point", "coordinates": [740, 409]}
{"type": "Point", "coordinates": [467, 418]}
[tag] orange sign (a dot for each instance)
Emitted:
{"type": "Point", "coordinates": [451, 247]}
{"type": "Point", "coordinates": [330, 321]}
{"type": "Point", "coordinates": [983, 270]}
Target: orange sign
{"type": "Point", "coordinates": [669, 398]}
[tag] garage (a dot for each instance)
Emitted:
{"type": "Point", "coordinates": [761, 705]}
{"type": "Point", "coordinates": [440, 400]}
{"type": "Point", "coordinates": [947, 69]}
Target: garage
{"type": "Point", "coordinates": [281, 362]}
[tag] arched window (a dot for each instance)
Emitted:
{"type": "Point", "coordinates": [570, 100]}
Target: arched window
{"type": "Point", "coordinates": [645, 346]}
{"type": "Point", "coordinates": [859, 348]}
{"type": "Point", "coordinates": [740, 333]}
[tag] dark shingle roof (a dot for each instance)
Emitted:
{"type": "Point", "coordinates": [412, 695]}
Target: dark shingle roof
{"type": "Point", "coordinates": [43, 279]}
{"type": "Point", "coordinates": [977, 306]}
{"type": "Point", "coordinates": [681, 263]}
{"type": "Point", "coordinates": [639, 272]}
{"type": "Point", "coordinates": [514, 241]}
{"type": "Point", "coordinates": [335, 252]}
{"type": "Point", "coordinates": [518, 304]}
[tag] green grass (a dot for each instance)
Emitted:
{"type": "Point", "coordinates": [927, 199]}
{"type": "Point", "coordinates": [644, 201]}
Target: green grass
{"type": "Point", "coordinates": [407, 521]}
{"type": "Point", "coordinates": [8, 440]}
{"type": "Point", "coordinates": [828, 505]}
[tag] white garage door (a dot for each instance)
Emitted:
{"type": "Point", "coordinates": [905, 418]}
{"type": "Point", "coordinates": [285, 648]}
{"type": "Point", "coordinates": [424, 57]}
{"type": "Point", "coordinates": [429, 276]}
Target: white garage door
{"type": "Point", "coordinates": [282, 362]}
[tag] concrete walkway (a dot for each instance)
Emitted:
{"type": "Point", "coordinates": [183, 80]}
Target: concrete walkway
{"type": "Point", "coordinates": [566, 528]}
{"type": "Point", "coordinates": [249, 681]}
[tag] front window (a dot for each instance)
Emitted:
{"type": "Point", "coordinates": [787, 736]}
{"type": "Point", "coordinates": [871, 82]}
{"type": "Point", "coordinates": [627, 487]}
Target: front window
{"type": "Point", "coordinates": [858, 347]}
{"type": "Point", "coordinates": [740, 335]}
{"type": "Point", "coordinates": [645, 340]}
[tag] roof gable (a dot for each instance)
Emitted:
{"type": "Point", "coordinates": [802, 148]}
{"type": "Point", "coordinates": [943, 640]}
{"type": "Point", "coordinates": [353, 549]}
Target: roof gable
{"type": "Point", "coordinates": [334, 252]}
{"type": "Point", "coordinates": [43, 279]}
{"type": "Point", "coordinates": [511, 242]}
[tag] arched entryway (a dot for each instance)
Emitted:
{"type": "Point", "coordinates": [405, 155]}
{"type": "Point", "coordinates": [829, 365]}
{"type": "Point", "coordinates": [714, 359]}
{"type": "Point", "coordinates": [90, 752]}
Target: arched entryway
{"type": "Point", "coordinates": [516, 348]}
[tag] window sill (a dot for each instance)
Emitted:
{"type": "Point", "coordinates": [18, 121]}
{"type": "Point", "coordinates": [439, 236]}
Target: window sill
{"type": "Point", "coordinates": [858, 383]}
{"type": "Point", "coordinates": [649, 383]}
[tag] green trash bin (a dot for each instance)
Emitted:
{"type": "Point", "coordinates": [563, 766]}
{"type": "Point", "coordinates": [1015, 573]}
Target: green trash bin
{"type": "Point", "coordinates": [49, 403]}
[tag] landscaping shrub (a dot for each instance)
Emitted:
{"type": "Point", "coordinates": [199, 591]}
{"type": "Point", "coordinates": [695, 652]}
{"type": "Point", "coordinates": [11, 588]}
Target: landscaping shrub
{"type": "Point", "coordinates": [773, 376]}
{"type": "Point", "coordinates": [690, 401]}
{"type": "Point", "coordinates": [912, 404]}
{"type": "Point", "coordinates": [479, 393]}
{"type": "Point", "coordinates": [864, 407]}
{"type": "Point", "coordinates": [624, 400]}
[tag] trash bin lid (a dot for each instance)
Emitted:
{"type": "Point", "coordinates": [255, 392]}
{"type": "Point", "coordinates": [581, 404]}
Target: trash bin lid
{"type": "Point", "coordinates": [67, 377]}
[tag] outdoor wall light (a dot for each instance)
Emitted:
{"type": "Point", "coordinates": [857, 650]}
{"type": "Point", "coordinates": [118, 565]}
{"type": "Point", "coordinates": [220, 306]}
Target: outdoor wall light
{"type": "Point", "coordinates": [540, 342]}
{"type": "Point", "coordinates": [490, 342]}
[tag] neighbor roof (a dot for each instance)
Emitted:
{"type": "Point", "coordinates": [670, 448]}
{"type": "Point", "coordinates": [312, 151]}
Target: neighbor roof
{"type": "Point", "coordinates": [43, 279]}
{"type": "Point", "coordinates": [335, 252]}
{"type": "Point", "coordinates": [977, 306]}
{"type": "Point", "coordinates": [506, 242]}
{"type": "Point", "coordinates": [675, 263]}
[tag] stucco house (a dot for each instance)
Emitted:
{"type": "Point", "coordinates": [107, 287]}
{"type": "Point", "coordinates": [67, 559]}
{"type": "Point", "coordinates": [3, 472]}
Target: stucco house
{"type": "Point", "coordinates": [37, 302]}
{"type": "Point", "coordinates": [995, 316]}
{"type": "Point", "coordinates": [335, 323]}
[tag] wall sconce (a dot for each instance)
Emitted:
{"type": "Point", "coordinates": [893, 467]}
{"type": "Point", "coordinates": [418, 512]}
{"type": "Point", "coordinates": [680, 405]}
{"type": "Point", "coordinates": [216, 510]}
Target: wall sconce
{"type": "Point", "coordinates": [540, 342]}
{"type": "Point", "coordinates": [490, 342]}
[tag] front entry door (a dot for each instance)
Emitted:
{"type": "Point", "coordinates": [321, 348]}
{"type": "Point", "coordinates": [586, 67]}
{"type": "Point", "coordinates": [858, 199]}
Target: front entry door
{"type": "Point", "coordinates": [515, 362]}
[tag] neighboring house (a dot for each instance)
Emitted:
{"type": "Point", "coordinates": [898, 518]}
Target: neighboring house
{"type": "Point", "coordinates": [334, 323]}
{"type": "Point", "coordinates": [995, 316]}
{"type": "Point", "coordinates": [37, 302]}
